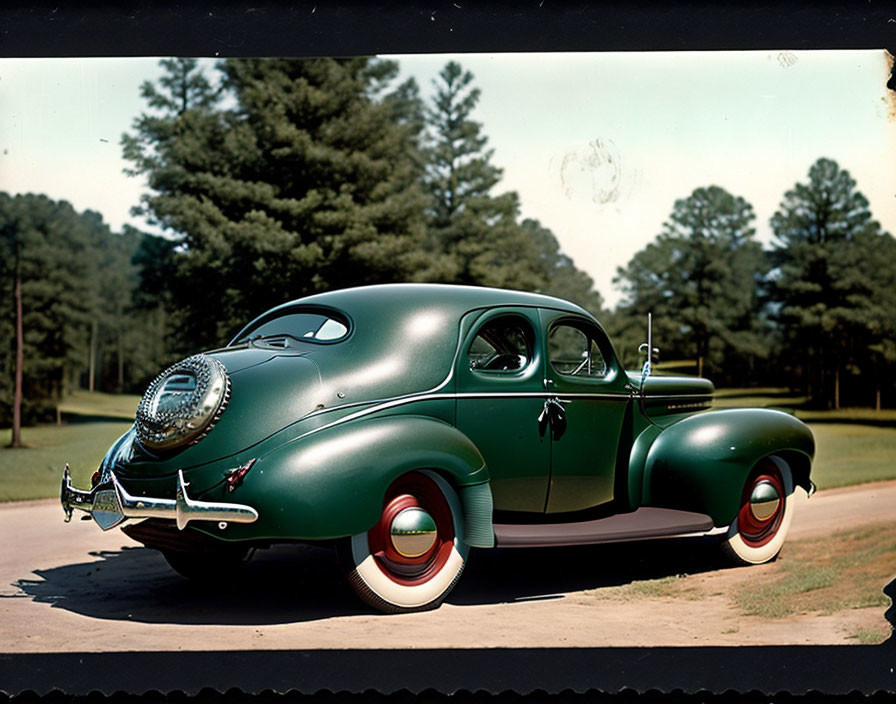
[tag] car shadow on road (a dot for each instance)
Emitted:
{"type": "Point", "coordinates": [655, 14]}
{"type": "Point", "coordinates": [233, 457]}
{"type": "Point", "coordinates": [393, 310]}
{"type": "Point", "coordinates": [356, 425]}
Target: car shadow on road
{"type": "Point", "coordinates": [295, 583]}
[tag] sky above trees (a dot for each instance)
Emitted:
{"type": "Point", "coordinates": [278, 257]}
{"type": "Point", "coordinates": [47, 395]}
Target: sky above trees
{"type": "Point", "coordinates": [598, 146]}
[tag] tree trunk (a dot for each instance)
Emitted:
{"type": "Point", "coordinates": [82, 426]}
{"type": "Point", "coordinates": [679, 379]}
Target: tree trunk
{"type": "Point", "coordinates": [877, 399]}
{"type": "Point", "coordinates": [120, 386]}
{"type": "Point", "coordinates": [837, 388]}
{"type": "Point", "coordinates": [700, 365]}
{"type": "Point", "coordinates": [20, 360]}
{"type": "Point", "coordinates": [92, 365]}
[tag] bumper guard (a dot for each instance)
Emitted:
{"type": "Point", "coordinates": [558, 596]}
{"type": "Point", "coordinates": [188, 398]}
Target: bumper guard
{"type": "Point", "coordinates": [110, 505]}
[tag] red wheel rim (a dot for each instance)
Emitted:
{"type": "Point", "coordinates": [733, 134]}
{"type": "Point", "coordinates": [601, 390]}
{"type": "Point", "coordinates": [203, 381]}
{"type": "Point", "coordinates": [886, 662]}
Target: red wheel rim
{"type": "Point", "coordinates": [412, 490]}
{"type": "Point", "coordinates": [756, 532]}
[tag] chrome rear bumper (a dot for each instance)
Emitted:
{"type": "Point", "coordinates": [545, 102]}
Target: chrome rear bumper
{"type": "Point", "coordinates": [110, 505]}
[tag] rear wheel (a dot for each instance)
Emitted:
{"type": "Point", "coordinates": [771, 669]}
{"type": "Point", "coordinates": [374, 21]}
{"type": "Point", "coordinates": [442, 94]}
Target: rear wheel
{"type": "Point", "coordinates": [758, 531]}
{"type": "Point", "coordinates": [412, 558]}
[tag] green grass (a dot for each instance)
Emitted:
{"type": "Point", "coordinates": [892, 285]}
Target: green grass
{"type": "Point", "coordinates": [86, 403]}
{"type": "Point", "coordinates": [671, 586]}
{"type": "Point", "coordinates": [776, 600]}
{"type": "Point", "coordinates": [784, 400]}
{"type": "Point", "coordinates": [36, 471]}
{"type": "Point", "coordinates": [655, 588]}
{"type": "Point", "coordinates": [866, 636]}
{"type": "Point", "coordinates": [852, 454]}
{"type": "Point", "coordinates": [843, 571]}
{"type": "Point", "coordinates": [856, 415]}
{"type": "Point", "coordinates": [757, 398]}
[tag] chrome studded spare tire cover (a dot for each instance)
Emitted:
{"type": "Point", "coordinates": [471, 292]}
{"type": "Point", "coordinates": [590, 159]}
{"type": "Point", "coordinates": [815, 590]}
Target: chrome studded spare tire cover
{"type": "Point", "coordinates": [183, 403]}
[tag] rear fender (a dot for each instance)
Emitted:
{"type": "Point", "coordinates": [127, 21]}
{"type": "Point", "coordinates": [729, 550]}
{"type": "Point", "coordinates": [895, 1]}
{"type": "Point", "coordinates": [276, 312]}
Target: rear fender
{"type": "Point", "coordinates": [331, 484]}
{"type": "Point", "coordinates": [702, 462]}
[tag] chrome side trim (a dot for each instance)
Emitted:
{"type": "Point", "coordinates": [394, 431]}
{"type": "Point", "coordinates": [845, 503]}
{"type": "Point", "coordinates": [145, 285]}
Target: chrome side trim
{"type": "Point", "coordinates": [111, 505]}
{"type": "Point", "coordinates": [404, 400]}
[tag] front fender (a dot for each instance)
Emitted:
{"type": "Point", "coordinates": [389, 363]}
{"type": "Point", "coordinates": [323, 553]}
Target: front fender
{"type": "Point", "coordinates": [701, 463]}
{"type": "Point", "coordinates": [331, 484]}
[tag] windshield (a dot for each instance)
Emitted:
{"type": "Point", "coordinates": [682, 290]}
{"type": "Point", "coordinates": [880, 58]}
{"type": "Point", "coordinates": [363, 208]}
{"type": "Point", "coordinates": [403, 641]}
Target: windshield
{"type": "Point", "coordinates": [311, 326]}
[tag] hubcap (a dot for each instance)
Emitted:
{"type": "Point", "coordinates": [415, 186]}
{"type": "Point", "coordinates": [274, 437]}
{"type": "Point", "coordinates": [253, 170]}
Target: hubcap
{"type": "Point", "coordinates": [762, 508]}
{"type": "Point", "coordinates": [413, 532]}
{"type": "Point", "coordinates": [764, 500]}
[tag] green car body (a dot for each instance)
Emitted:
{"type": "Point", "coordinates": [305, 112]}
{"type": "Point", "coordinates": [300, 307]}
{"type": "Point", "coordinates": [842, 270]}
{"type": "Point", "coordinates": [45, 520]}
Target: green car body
{"type": "Point", "coordinates": [420, 377]}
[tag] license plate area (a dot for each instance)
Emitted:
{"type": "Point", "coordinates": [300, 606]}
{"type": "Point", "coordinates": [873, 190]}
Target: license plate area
{"type": "Point", "coordinates": [107, 509]}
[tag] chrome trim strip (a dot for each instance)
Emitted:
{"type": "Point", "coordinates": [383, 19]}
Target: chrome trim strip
{"type": "Point", "coordinates": [718, 530]}
{"type": "Point", "coordinates": [403, 400]}
{"type": "Point", "coordinates": [181, 509]}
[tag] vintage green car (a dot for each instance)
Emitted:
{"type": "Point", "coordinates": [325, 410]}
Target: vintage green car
{"type": "Point", "coordinates": [407, 423]}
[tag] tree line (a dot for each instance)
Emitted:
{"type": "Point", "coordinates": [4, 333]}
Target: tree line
{"type": "Point", "coordinates": [276, 178]}
{"type": "Point", "coordinates": [816, 312]}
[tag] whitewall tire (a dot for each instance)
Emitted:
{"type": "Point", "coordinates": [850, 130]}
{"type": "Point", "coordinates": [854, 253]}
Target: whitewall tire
{"type": "Point", "coordinates": [757, 533]}
{"type": "Point", "coordinates": [415, 554]}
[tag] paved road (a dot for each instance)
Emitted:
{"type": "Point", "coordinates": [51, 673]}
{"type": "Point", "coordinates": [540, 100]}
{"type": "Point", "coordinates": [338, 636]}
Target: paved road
{"type": "Point", "coordinates": [73, 588]}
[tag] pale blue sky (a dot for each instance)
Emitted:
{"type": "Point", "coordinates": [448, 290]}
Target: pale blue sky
{"type": "Point", "coordinates": [598, 146]}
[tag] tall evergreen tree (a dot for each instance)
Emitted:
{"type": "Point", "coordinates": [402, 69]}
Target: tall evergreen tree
{"type": "Point", "coordinates": [302, 185]}
{"type": "Point", "coordinates": [54, 271]}
{"type": "Point", "coordinates": [476, 233]}
{"type": "Point", "coordinates": [699, 280]}
{"type": "Point", "coordinates": [829, 279]}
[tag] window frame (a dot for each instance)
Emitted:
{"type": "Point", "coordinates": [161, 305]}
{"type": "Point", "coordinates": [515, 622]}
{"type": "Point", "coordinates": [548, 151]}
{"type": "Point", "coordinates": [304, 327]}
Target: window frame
{"type": "Point", "coordinates": [331, 313]}
{"type": "Point", "coordinates": [530, 335]}
{"type": "Point", "coordinates": [594, 334]}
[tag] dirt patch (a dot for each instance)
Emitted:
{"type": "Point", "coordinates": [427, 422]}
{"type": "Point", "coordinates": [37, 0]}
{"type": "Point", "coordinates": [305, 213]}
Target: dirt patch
{"type": "Point", "coordinates": [816, 577]}
{"type": "Point", "coordinates": [826, 575]}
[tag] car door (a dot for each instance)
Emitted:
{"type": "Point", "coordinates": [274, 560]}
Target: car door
{"type": "Point", "coordinates": [584, 377]}
{"type": "Point", "coordinates": [500, 394]}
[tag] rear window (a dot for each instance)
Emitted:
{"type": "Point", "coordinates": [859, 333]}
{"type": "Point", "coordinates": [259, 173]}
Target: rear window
{"type": "Point", "coordinates": [297, 325]}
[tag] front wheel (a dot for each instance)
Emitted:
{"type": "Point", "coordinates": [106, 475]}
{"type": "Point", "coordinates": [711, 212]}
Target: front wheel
{"type": "Point", "coordinates": [412, 558]}
{"type": "Point", "coordinates": [758, 531]}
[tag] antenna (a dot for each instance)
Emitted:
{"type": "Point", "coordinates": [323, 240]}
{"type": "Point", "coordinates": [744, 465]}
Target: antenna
{"type": "Point", "coordinates": [649, 349]}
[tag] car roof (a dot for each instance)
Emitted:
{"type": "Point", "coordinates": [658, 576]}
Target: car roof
{"type": "Point", "coordinates": [379, 318]}
{"type": "Point", "coordinates": [414, 296]}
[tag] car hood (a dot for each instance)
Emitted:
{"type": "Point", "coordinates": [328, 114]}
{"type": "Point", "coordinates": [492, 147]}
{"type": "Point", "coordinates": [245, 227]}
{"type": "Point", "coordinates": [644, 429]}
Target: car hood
{"type": "Point", "coordinates": [673, 397]}
{"type": "Point", "coordinates": [672, 385]}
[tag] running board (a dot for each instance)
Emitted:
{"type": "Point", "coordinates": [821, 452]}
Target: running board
{"type": "Point", "coordinates": [645, 523]}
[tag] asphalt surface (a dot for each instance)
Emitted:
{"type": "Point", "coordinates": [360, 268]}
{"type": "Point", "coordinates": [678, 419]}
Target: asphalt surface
{"type": "Point", "coordinates": [73, 588]}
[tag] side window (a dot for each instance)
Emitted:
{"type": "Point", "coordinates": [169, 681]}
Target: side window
{"type": "Point", "coordinates": [502, 344]}
{"type": "Point", "coordinates": [574, 353]}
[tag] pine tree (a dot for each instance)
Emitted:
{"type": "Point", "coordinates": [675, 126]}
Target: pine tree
{"type": "Point", "coordinates": [699, 280]}
{"type": "Point", "coordinates": [829, 282]}
{"type": "Point", "coordinates": [302, 185]}
{"type": "Point", "coordinates": [476, 233]}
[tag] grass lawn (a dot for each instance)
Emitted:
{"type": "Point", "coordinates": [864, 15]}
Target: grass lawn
{"type": "Point", "coordinates": [819, 575]}
{"type": "Point", "coordinates": [852, 454]}
{"type": "Point", "coordinates": [792, 403]}
{"type": "Point", "coordinates": [94, 404]}
{"type": "Point", "coordinates": [843, 571]}
{"type": "Point", "coordinates": [35, 472]}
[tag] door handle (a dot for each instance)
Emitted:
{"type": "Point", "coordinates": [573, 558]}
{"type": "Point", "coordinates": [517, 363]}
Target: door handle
{"type": "Point", "coordinates": [554, 414]}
